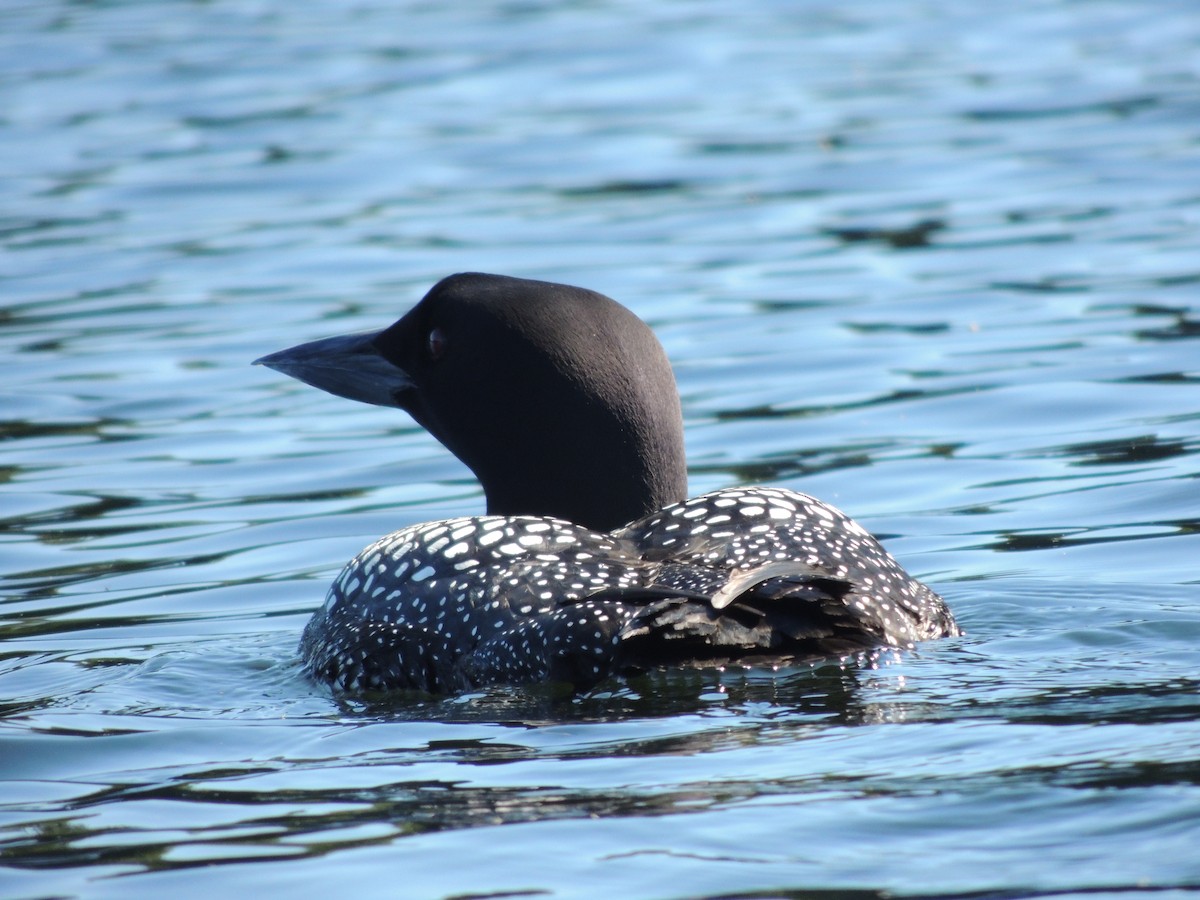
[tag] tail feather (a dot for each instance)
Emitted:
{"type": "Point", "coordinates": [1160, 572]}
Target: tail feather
{"type": "Point", "coordinates": [777, 610]}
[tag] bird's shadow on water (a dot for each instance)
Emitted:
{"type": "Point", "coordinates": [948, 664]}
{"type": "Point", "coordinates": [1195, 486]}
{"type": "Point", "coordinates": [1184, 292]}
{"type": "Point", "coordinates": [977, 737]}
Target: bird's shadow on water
{"type": "Point", "coordinates": [827, 691]}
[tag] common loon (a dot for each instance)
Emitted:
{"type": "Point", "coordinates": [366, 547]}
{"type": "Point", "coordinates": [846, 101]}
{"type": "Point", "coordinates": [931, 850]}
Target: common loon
{"type": "Point", "coordinates": [590, 562]}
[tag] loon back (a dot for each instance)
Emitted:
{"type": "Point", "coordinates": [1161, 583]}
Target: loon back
{"type": "Point", "coordinates": [563, 404]}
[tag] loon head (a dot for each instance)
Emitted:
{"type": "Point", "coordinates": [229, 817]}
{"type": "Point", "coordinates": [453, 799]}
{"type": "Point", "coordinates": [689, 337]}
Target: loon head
{"type": "Point", "coordinates": [559, 399]}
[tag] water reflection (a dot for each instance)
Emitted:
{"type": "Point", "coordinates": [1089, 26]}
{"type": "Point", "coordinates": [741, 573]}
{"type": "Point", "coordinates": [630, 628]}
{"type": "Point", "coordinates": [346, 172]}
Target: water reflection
{"type": "Point", "coordinates": [932, 262]}
{"type": "Point", "coordinates": [902, 238]}
{"type": "Point", "coordinates": [823, 692]}
{"type": "Point", "coordinates": [1141, 448]}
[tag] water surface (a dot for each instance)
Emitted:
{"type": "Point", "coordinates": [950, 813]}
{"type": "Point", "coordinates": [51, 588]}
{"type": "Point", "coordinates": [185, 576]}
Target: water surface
{"type": "Point", "coordinates": [936, 263]}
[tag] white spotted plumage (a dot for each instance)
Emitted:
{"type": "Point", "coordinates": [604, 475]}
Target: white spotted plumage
{"type": "Point", "coordinates": [473, 601]}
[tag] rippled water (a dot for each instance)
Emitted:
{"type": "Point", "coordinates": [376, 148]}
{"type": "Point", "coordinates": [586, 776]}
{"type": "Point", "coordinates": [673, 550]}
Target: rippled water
{"type": "Point", "coordinates": [938, 263]}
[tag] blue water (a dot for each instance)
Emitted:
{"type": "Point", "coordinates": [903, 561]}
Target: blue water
{"type": "Point", "coordinates": [937, 263]}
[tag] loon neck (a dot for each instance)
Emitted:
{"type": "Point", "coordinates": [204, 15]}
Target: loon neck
{"type": "Point", "coordinates": [593, 470]}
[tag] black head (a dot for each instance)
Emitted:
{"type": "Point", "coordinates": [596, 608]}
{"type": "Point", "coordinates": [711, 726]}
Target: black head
{"type": "Point", "coordinates": [560, 400]}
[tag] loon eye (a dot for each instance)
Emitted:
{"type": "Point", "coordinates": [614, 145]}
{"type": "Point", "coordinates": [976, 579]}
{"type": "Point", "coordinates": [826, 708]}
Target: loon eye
{"type": "Point", "coordinates": [437, 344]}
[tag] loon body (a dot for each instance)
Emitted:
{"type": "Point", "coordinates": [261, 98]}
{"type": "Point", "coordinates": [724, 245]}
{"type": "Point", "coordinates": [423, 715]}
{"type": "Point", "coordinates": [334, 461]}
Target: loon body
{"type": "Point", "coordinates": [590, 561]}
